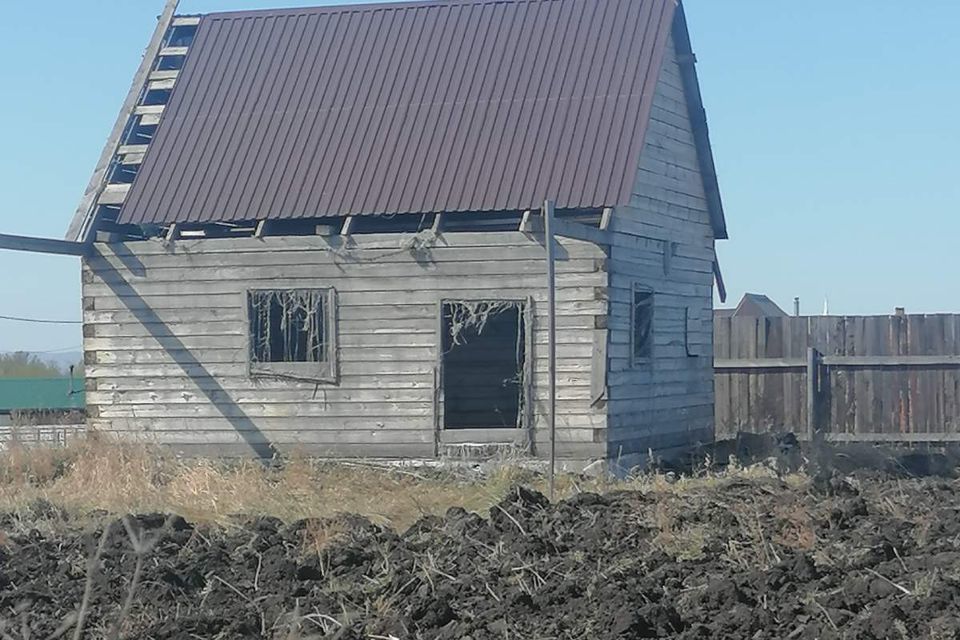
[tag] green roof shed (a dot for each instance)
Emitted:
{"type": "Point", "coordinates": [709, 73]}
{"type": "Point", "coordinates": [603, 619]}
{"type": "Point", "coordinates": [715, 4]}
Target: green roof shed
{"type": "Point", "coordinates": [41, 394]}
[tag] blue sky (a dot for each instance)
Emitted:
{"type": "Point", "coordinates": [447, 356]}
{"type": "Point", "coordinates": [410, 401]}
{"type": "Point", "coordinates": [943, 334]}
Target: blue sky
{"type": "Point", "coordinates": [834, 126]}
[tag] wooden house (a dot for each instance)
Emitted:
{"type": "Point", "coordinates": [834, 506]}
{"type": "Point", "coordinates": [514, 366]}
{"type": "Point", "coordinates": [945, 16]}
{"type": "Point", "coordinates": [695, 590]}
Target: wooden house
{"type": "Point", "coordinates": [320, 230]}
{"type": "Point", "coordinates": [752, 305]}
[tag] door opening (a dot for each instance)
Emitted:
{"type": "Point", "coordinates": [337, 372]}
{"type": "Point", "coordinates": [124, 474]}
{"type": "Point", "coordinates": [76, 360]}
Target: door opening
{"type": "Point", "coordinates": [484, 353]}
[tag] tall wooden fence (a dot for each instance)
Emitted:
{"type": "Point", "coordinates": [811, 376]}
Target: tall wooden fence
{"type": "Point", "coordinates": [853, 378]}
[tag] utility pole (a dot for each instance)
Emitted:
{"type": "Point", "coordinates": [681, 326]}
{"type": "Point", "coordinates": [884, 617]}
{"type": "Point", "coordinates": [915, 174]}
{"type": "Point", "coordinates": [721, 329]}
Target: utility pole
{"type": "Point", "coordinates": [551, 341]}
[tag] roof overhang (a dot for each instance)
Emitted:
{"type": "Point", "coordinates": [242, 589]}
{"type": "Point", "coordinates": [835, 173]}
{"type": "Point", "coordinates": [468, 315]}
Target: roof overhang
{"type": "Point", "coordinates": [698, 122]}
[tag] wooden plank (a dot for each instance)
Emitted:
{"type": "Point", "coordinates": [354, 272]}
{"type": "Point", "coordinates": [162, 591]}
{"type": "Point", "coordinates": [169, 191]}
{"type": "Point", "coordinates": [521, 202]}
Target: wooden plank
{"type": "Point", "coordinates": [173, 51]}
{"type": "Point", "coordinates": [132, 158]}
{"type": "Point", "coordinates": [42, 245]}
{"type": "Point", "coordinates": [114, 194]}
{"type": "Point", "coordinates": [573, 230]}
{"type": "Point", "coordinates": [928, 437]}
{"type": "Point", "coordinates": [148, 120]}
{"type": "Point", "coordinates": [839, 361]}
{"type": "Point", "coordinates": [185, 21]}
{"type": "Point", "coordinates": [357, 245]}
{"type": "Point", "coordinates": [83, 224]}
{"type": "Point", "coordinates": [113, 271]}
{"type": "Point", "coordinates": [148, 109]}
{"type": "Point", "coordinates": [291, 409]}
{"type": "Point", "coordinates": [575, 285]}
{"type": "Point", "coordinates": [599, 367]}
{"type": "Point", "coordinates": [605, 218]}
{"type": "Point", "coordinates": [126, 149]}
{"type": "Point", "coordinates": [156, 76]}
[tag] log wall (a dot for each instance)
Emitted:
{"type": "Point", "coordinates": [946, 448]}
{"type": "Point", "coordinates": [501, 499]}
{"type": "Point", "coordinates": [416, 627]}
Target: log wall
{"type": "Point", "coordinates": [166, 340]}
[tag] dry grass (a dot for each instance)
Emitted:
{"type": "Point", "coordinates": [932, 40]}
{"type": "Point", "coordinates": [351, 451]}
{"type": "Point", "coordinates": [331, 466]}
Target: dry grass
{"type": "Point", "coordinates": [98, 474]}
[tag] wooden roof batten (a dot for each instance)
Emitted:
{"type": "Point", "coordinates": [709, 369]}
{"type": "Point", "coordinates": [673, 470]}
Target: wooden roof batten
{"type": "Point", "coordinates": [83, 226]}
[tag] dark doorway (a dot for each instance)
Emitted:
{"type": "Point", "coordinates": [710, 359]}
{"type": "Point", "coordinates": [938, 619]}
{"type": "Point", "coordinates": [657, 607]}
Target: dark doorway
{"type": "Point", "coordinates": [484, 353]}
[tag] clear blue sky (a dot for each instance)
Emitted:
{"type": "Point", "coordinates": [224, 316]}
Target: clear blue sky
{"type": "Point", "coordinates": [834, 126]}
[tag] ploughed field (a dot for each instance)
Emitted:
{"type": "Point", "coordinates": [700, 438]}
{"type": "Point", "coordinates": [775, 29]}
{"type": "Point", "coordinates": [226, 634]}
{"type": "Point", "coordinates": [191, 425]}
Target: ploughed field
{"type": "Point", "coordinates": [739, 555]}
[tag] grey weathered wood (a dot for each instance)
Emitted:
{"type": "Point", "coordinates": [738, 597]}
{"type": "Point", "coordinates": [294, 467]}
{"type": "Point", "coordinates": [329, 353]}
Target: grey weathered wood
{"type": "Point", "coordinates": [114, 194]}
{"type": "Point", "coordinates": [841, 361]}
{"type": "Point", "coordinates": [173, 51]}
{"type": "Point", "coordinates": [932, 437]}
{"type": "Point", "coordinates": [166, 343]}
{"type": "Point", "coordinates": [148, 109]}
{"type": "Point", "coordinates": [166, 339]}
{"type": "Point", "coordinates": [813, 393]}
{"type": "Point", "coordinates": [42, 245]}
{"type": "Point", "coordinates": [605, 218]}
{"type": "Point", "coordinates": [127, 149]}
{"type": "Point", "coordinates": [598, 373]}
{"type": "Point", "coordinates": [81, 226]}
{"type": "Point", "coordinates": [883, 377]}
{"type": "Point", "coordinates": [669, 398]}
{"type": "Point", "coordinates": [156, 76]}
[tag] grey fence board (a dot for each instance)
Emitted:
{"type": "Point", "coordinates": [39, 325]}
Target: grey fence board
{"type": "Point", "coordinates": [883, 378]}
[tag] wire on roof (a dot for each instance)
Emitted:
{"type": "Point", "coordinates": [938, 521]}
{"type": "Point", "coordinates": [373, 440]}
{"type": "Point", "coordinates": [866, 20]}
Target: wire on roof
{"type": "Point", "coordinates": [39, 320]}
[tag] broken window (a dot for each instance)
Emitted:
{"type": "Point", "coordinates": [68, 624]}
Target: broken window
{"type": "Point", "coordinates": [484, 356]}
{"type": "Point", "coordinates": [156, 97]}
{"type": "Point", "coordinates": [291, 332]}
{"type": "Point", "coordinates": [170, 63]}
{"type": "Point", "coordinates": [181, 35]}
{"type": "Point", "coordinates": [642, 339]}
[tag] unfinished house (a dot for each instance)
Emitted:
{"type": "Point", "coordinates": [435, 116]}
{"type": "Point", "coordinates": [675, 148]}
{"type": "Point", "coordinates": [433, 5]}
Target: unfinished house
{"type": "Point", "coordinates": [321, 230]}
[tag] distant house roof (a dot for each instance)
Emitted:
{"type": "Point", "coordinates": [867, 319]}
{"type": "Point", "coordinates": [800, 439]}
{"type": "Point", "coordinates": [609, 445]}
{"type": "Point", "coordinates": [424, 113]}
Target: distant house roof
{"type": "Point", "coordinates": [40, 394]}
{"type": "Point", "coordinates": [416, 107]}
{"type": "Point", "coordinates": [753, 305]}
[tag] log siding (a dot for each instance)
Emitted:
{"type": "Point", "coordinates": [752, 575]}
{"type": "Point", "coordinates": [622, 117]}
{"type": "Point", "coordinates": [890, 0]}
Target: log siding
{"type": "Point", "coordinates": [663, 241]}
{"type": "Point", "coordinates": [166, 340]}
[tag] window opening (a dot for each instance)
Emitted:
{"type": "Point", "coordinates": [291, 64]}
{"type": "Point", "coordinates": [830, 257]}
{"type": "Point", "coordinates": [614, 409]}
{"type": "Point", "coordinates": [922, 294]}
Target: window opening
{"type": "Point", "coordinates": [140, 133]}
{"type": "Point", "coordinates": [288, 325]}
{"type": "Point", "coordinates": [170, 63]}
{"type": "Point", "coordinates": [484, 353]}
{"type": "Point", "coordinates": [182, 35]}
{"type": "Point", "coordinates": [642, 324]}
{"type": "Point", "coordinates": [124, 173]}
{"type": "Point", "coordinates": [156, 97]}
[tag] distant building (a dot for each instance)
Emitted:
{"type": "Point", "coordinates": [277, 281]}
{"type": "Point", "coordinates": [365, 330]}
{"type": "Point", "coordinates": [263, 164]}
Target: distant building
{"type": "Point", "coordinates": [39, 400]}
{"type": "Point", "coordinates": [752, 305]}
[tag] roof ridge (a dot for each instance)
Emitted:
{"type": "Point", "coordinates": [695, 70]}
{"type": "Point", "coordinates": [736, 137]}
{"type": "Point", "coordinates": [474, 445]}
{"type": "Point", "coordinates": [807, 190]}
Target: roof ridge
{"type": "Point", "coordinates": [361, 6]}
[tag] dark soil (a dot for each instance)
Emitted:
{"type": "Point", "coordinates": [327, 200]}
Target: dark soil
{"type": "Point", "coordinates": [862, 557]}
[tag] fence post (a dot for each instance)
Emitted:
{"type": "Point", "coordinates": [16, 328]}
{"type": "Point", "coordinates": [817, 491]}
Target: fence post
{"type": "Point", "coordinates": [813, 393]}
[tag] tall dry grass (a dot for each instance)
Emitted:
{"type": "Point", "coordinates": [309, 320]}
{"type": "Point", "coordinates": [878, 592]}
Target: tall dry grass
{"type": "Point", "coordinates": [95, 473]}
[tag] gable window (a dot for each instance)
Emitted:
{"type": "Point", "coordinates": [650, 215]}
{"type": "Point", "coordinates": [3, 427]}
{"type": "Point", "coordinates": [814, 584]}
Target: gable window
{"type": "Point", "coordinates": [642, 325]}
{"type": "Point", "coordinates": [291, 333]}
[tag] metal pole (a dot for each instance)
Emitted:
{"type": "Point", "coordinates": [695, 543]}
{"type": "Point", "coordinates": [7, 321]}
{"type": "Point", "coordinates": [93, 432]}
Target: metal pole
{"type": "Point", "coordinates": [551, 339]}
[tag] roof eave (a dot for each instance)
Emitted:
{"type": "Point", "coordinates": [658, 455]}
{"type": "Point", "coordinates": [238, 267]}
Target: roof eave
{"type": "Point", "coordinates": [698, 120]}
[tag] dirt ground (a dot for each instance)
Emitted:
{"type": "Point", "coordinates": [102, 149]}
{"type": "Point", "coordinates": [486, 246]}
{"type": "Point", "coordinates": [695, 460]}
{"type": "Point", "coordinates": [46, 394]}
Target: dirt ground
{"type": "Point", "coordinates": [739, 556]}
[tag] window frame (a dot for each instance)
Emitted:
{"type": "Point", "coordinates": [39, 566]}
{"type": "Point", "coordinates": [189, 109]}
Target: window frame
{"type": "Point", "coordinates": [521, 436]}
{"type": "Point", "coordinates": [635, 359]}
{"type": "Point", "coordinates": [326, 371]}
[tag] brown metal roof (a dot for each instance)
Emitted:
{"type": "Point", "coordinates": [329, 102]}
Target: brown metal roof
{"type": "Point", "coordinates": [458, 105]}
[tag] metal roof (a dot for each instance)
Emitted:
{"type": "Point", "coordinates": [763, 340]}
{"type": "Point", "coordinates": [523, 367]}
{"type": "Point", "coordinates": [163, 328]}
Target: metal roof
{"type": "Point", "coordinates": [758, 304]}
{"type": "Point", "coordinates": [456, 105]}
{"type": "Point", "coordinates": [41, 393]}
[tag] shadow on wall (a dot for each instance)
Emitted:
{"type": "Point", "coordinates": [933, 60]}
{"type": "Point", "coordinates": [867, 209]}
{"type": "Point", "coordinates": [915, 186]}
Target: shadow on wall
{"type": "Point", "coordinates": [171, 344]}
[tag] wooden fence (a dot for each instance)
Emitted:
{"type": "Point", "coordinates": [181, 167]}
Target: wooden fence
{"type": "Point", "coordinates": [854, 378]}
